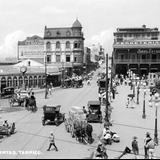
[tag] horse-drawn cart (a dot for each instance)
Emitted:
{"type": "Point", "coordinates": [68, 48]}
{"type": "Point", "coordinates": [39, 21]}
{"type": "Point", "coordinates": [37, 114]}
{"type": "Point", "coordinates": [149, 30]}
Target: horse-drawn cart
{"type": "Point", "coordinates": [18, 99]}
{"type": "Point", "coordinates": [77, 125]}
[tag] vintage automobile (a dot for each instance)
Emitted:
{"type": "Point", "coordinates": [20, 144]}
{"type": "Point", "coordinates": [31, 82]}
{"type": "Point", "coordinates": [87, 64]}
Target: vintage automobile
{"type": "Point", "coordinates": [77, 83]}
{"type": "Point", "coordinates": [7, 130]}
{"type": "Point", "coordinates": [52, 114]}
{"type": "Point", "coordinates": [18, 99]}
{"type": "Point", "coordinates": [95, 114]}
{"type": "Point", "coordinates": [7, 92]}
{"type": "Point", "coordinates": [77, 125]}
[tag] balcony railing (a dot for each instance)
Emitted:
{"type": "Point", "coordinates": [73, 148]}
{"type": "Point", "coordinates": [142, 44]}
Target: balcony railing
{"type": "Point", "coordinates": [143, 44]}
{"type": "Point", "coordinates": [137, 60]}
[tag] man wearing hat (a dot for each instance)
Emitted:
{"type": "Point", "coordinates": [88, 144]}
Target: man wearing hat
{"type": "Point", "coordinates": [146, 141]}
{"type": "Point", "coordinates": [135, 147]}
{"type": "Point", "coordinates": [52, 142]}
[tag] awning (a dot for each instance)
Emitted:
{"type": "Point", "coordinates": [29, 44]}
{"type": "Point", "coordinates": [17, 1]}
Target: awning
{"type": "Point", "coordinates": [53, 73]}
{"type": "Point", "coordinates": [143, 68]}
{"type": "Point", "coordinates": [154, 69]}
{"type": "Point", "coordinates": [133, 68]}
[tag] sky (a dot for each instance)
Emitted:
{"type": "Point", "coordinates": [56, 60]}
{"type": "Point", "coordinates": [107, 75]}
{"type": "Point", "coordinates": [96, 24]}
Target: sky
{"type": "Point", "coordinates": [99, 18]}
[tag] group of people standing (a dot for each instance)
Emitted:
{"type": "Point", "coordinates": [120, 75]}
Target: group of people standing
{"type": "Point", "coordinates": [149, 147]}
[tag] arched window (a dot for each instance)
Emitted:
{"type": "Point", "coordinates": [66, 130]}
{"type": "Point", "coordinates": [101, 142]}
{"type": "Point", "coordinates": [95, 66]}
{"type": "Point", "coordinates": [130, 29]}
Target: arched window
{"type": "Point", "coordinates": [58, 45]}
{"type": "Point", "coordinates": [9, 82]}
{"type": "Point", "coordinates": [68, 45]}
{"type": "Point", "coordinates": [39, 81]}
{"type": "Point", "coordinates": [26, 81]}
{"type": "Point", "coordinates": [3, 82]}
{"type": "Point", "coordinates": [48, 46]}
{"type": "Point", "coordinates": [15, 82]}
{"type": "Point", "coordinates": [20, 81]}
{"type": "Point", "coordinates": [35, 81]}
{"type": "Point", "coordinates": [30, 81]}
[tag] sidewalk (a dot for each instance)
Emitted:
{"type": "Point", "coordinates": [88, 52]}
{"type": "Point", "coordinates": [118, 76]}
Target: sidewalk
{"type": "Point", "coordinates": [129, 122]}
{"type": "Point", "coordinates": [43, 90]}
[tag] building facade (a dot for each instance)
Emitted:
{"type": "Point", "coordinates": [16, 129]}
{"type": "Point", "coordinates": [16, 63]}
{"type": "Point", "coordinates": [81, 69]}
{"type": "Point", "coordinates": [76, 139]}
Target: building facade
{"type": "Point", "coordinates": [64, 48]}
{"type": "Point", "coordinates": [35, 76]}
{"type": "Point", "coordinates": [87, 59]}
{"type": "Point", "coordinates": [31, 48]}
{"type": "Point", "coordinates": [137, 49]}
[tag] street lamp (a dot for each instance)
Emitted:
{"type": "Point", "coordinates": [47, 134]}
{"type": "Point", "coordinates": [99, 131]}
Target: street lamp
{"type": "Point", "coordinates": [138, 88]}
{"type": "Point", "coordinates": [157, 100]}
{"type": "Point", "coordinates": [144, 103]}
{"type": "Point", "coordinates": [23, 70]}
{"type": "Point", "coordinates": [46, 91]}
{"type": "Point", "coordinates": [106, 116]}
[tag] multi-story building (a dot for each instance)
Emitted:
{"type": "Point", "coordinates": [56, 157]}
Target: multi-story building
{"type": "Point", "coordinates": [137, 49]}
{"type": "Point", "coordinates": [31, 48]}
{"type": "Point", "coordinates": [64, 47]}
{"type": "Point", "coordinates": [101, 53]}
{"type": "Point", "coordinates": [87, 59]}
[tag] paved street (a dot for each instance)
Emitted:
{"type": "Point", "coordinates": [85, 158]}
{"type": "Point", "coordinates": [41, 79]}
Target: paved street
{"type": "Point", "coordinates": [32, 136]}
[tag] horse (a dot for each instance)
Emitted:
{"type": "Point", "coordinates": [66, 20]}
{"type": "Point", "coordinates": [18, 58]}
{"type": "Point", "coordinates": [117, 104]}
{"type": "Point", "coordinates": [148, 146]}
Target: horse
{"type": "Point", "coordinates": [32, 104]}
{"type": "Point", "coordinates": [89, 130]}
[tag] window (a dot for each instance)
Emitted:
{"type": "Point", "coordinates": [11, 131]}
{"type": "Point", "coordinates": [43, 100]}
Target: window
{"type": "Point", "coordinates": [76, 44]}
{"type": "Point", "coordinates": [68, 58]}
{"type": "Point", "coordinates": [48, 58]}
{"type": "Point", "coordinates": [58, 45]}
{"type": "Point", "coordinates": [68, 33]}
{"type": "Point", "coordinates": [58, 58]}
{"type": "Point", "coordinates": [68, 45]}
{"type": "Point", "coordinates": [48, 46]}
{"type": "Point", "coordinates": [21, 53]}
{"type": "Point", "coordinates": [122, 56]}
{"type": "Point", "coordinates": [58, 33]}
{"type": "Point", "coordinates": [75, 59]}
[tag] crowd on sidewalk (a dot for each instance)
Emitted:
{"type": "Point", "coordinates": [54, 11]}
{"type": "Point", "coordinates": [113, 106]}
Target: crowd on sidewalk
{"type": "Point", "coordinates": [149, 144]}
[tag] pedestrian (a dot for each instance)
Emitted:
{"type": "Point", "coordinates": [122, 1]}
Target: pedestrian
{"type": "Point", "coordinates": [52, 142]}
{"type": "Point", "coordinates": [127, 103]}
{"type": "Point", "coordinates": [146, 141]}
{"type": "Point", "coordinates": [84, 110]}
{"type": "Point", "coordinates": [135, 148]}
{"type": "Point", "coordinates": [113, 93]}
{"type": "Point", "coordinates": [151, 148]}
{"type": "Point", "coordinates": [50, 90]}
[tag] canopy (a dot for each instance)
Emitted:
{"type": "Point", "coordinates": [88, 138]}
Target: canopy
{"type": "Point", "coordinates": [93, 103]}
{"type": "Point", "coordinates": [76, 109]}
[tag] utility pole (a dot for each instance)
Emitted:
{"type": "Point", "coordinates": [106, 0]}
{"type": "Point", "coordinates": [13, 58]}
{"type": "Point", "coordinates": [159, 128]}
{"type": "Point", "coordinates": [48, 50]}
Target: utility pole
{"type": "Point", "coordinates": [107, 118]}
{"type": "Point", "coordinates": [111, 81]}
{"type": "Point", "coordinates": [46, 92]}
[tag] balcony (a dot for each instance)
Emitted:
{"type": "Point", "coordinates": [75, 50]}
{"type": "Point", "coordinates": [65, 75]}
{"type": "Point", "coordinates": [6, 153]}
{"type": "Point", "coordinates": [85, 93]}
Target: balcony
{"type": "Point", "coordinates": [137, 44]}
{"type": "Point", "coordinates": [135, 61]}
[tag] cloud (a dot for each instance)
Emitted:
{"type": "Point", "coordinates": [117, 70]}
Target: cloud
{"type": "Point", "coordinates": [52, 10]}
{"type": "Point", "coordinates": [9, 47]}
{"type": "Point", "coordinates": [104, 38]}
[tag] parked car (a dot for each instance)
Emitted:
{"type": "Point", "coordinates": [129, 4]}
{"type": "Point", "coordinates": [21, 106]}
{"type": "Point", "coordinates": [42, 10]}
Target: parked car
{"type": "Point", "coordinates": [95, 114]}
{"type": "Point", "coordinates": [7, 92]}
{"type": "Point", "coordinates": [52, 114]}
